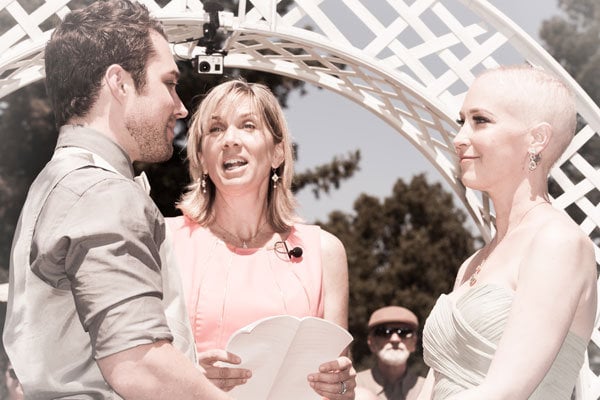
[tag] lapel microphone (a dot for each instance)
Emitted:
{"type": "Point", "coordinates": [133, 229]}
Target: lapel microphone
{"type": "Point", "coordinates": [296, 252]}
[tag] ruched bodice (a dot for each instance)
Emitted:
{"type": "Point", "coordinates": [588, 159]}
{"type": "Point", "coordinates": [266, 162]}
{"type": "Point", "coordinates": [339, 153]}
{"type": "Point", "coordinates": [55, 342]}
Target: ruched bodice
{"type": "Point", "coordinates": [461, 335]}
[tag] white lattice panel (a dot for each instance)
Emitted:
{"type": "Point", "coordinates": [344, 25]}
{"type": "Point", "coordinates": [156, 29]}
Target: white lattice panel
{"type": "Point", "coordinates": [410, 65]}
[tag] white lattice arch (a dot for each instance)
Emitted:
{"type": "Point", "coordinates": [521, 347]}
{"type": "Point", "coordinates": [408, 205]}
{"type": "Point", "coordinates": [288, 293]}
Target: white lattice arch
{"type": "Point", "coordinates": [410, 65]}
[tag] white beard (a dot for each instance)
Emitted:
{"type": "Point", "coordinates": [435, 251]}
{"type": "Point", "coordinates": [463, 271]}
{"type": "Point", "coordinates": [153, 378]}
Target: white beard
{"type": "Point", "coordinates": [393, 357]}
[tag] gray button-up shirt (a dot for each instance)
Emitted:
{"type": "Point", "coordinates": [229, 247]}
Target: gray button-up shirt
{"type": "Point", "coordinates": [406, 388]}
{"type": "Point", "coordinates": [85, 275]}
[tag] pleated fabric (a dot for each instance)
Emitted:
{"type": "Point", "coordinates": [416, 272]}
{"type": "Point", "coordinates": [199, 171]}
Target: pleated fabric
{"type": "Point", "coordinates": [460, 338]}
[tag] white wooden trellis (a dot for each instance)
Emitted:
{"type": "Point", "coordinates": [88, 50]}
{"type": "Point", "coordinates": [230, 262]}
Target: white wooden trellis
{"type": "Point", "coordinates": [410, 66]}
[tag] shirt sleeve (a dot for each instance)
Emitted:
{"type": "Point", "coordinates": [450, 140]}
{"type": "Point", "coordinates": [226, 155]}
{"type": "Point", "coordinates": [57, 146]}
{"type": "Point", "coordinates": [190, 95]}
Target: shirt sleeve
{"type": "Point", "coordinates": [106, 250]}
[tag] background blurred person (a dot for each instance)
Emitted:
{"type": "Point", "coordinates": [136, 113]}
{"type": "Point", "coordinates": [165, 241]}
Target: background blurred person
{"type": "Point", "coordinates": [392, 338]}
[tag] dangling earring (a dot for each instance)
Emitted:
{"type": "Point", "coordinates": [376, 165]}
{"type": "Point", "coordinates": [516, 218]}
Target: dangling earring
{"type": "Point", "coordinates": [274, 178]}
{"type": "Point", "coordinates": [203, 183]}
{"type": "Point", "coordinates": [534, 159]}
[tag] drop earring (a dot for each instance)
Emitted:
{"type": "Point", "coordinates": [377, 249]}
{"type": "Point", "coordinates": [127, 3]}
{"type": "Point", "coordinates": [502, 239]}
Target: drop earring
{"type": "Point", "coordinates": [534, 160]}
{"type": "Point", "coordinates": [203, 183]}
{"type": "Point", "coordinates": [274, 178]}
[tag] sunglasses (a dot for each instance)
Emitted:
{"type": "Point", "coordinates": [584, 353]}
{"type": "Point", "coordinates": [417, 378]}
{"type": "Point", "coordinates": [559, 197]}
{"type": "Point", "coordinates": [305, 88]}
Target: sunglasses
{"type": "Point", "coordinates": [385, 332]}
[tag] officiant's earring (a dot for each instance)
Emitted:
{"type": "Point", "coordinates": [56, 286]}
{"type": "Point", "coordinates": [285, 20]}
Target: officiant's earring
{"type": "Point", "coordinates": [203, 183]}
{"type": "Point", "coordinates": [274, 178]}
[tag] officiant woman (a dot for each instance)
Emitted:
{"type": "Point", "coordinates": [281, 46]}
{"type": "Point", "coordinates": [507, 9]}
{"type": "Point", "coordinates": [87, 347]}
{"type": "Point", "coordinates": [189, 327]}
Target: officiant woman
{"type": "Point", "coordinates": [243, 251]}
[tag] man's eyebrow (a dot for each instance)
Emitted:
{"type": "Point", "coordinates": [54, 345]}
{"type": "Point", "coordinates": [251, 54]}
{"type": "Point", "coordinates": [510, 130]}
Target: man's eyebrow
{"type": "Point", "coordinates": [173, 73]}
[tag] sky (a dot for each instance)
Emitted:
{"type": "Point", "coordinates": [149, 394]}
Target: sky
{"type": "Point", "coordinates": [325, 124]}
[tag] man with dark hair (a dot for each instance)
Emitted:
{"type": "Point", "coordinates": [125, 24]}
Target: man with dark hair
{"type": "Point", "coordinates": [392, 339]}
{"type": "Point", "coordinates": [93, 312]}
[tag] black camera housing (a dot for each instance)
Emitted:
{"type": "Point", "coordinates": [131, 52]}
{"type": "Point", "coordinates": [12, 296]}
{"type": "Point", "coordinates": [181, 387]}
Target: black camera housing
{"type": "Point", "coordinates": [210, 64]}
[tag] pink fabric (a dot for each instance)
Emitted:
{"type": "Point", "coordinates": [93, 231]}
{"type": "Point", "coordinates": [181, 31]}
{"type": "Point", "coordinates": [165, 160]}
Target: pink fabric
{"type": "Point", "coordinates": [227, 287]}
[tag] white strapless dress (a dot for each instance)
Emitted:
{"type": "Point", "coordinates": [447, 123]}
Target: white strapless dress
{"type": "Point", "coordinates": [460, 338]}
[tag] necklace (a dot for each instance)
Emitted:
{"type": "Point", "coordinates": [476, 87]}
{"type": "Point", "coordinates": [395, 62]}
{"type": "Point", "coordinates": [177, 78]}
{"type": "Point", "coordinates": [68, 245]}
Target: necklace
{"type": "Point", "coordinates": [237, 239]}
{"type": "Point", "coordinates": [475, 275]}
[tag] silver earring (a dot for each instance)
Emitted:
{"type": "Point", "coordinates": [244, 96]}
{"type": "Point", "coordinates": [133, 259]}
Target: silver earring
{"type": "Point", "coordinates": [203, 183]}
{"type": "Point", "coordinates": [274, 178]}
{"type": "Point", "coordinates": [534, 160]}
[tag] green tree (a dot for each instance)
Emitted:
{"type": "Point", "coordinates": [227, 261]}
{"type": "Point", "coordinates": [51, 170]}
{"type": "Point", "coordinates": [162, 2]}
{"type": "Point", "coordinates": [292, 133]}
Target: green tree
{"type": "Point", "coordinates": [27, 138]}
{"type": "Point", "coordinates": [573, 39]}
{"type": "Point", "coordinates": [404, 250]}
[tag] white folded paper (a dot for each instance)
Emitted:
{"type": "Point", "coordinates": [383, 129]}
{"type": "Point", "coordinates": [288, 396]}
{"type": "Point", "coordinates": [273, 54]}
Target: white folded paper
{"type": "Point", "coordinates": [281, 352]}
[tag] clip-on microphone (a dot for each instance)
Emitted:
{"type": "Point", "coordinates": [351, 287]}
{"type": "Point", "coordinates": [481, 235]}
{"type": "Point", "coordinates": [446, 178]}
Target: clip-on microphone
{"type": "Point", "coordinates": [296, 252]}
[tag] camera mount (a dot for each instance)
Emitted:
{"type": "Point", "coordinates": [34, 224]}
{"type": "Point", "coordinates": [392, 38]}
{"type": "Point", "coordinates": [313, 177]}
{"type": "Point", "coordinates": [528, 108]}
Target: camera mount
{"type": "Point", "coordinates": [209, 39]}
{"type": "Point", "coordinates": [211, 62]}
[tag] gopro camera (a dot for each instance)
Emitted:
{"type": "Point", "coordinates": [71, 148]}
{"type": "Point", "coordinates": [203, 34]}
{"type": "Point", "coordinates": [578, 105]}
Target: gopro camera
{"type": "Point", "coordinates": [210, 64]}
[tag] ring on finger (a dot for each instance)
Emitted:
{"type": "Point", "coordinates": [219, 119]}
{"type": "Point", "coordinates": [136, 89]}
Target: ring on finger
{"type": "Point", "coordinates": [343, 388]}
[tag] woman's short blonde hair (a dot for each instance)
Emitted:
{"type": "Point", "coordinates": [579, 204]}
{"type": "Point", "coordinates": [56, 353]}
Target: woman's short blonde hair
{"type": "Point", "coordinates": [281, 204]}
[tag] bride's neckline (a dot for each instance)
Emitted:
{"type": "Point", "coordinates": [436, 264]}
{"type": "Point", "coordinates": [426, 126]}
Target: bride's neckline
{"type": "Point", "coordinates": [456, 297]}
{"type": "Point", "coordinates": [460, 293]}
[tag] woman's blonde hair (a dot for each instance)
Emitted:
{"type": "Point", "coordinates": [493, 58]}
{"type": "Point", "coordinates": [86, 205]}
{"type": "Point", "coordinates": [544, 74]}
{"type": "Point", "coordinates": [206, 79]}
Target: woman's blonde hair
{"type": "Point", "coordinates": [281, 204]}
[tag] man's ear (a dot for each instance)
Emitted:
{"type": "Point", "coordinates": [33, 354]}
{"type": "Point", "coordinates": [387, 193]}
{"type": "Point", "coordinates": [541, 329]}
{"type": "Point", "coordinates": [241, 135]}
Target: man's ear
{"type": "Point", "coordinates": [118, 81]}
{"type": "Point", "coordinates": [371, 345]}
{"type": "Point", "coordinates": [540, 136]}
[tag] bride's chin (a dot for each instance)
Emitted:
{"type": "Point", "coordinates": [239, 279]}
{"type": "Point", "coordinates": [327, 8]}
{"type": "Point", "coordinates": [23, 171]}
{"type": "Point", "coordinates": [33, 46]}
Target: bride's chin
{"type": "Point", "coordinates": [469, 181]}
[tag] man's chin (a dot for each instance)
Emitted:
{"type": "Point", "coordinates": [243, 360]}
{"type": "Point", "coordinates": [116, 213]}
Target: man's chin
{"type": "Point", "coordinates": [395, 363]}
{"type": "Point", "coordinates": [168, 153]}
{"type": "Point", "coordinates": [394, 359]}
{"type": "Point", "coordinates": [158, 156]}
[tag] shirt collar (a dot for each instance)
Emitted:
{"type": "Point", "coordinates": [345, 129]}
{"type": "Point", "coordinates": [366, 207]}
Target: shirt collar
{"type": "Point", "coordinates": [97, 143]}
{"type": "Point", "coordinates": [404, 384]}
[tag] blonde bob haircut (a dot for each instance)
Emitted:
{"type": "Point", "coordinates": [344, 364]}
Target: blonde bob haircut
{"type": "Point", "coordinates": [281, 204]}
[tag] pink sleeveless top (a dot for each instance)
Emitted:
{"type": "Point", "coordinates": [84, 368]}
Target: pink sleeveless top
{"type": "Point", "coordinates": [227, 287]}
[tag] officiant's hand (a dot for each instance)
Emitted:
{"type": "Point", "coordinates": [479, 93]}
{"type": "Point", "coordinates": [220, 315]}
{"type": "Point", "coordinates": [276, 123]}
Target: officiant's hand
{"type": "Point", "coordinates": [225, 378]}
{"type": "Point", "coordinates": [335, 380]}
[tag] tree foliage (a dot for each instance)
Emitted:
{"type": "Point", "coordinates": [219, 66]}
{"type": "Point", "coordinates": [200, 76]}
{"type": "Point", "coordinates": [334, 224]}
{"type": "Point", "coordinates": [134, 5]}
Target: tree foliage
{"type": "Point", "coordinates": [325, 176]}
{"type": "Point", "coordinates": [27, 139]}
{"type": "Point", "coordinates": [404, 250]}
{"type": "Point", "coordinates": [573, 40]}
